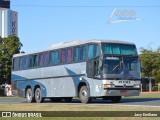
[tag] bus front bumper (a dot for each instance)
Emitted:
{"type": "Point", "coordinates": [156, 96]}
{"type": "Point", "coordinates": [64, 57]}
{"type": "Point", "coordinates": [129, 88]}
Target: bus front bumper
{"type": "Point", "coordinates": [120, 92]}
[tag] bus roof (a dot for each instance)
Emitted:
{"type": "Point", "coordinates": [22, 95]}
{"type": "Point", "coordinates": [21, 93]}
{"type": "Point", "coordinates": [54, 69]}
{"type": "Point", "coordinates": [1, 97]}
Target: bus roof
{"type": "Point", "coordinates": [76, 42]}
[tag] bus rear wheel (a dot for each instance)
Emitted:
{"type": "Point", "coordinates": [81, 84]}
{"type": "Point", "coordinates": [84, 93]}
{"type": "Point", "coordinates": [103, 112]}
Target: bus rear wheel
{"type": "Point", "coordinates": [83, 95]}
{"type": "Point", "coordinates": [29, 95]}
{"type": "Point", "coordinates": [38, 95]}
{"type": "Point", "coordinates": [115, 99]}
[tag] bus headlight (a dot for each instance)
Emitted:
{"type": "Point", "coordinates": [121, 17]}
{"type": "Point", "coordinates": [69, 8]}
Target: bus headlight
{"type": "Point", "coordinates": [108, 85]}
{"type": "Point", "coordinates": [137, 86]}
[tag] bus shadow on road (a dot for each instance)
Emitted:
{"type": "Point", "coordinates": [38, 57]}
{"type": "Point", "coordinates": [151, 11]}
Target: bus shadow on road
{"type": "Point", "coordinates": [124, 101]}
{"type": "Point", "coordinates": [128, 100]}
{"type": "Point", "coordinates": [101, 101]}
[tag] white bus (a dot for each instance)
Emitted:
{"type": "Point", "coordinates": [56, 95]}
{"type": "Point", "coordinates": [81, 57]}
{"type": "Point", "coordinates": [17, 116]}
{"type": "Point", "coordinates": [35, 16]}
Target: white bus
{"type": "Point", "coordinates": [85, 69]}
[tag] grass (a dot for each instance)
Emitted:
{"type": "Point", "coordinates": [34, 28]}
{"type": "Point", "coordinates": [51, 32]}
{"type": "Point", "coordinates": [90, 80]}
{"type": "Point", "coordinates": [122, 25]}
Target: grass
{"type": "Point", "coordinates": [146, 95]}
{"type": "Point", "coordinates": [71, 107]}
{"type": "Point", "coordinates": [11, 98]}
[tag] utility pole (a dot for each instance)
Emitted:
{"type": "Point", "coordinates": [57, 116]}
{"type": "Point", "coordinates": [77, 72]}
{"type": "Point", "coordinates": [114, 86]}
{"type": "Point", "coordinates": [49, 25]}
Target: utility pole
{"type": "Point", "coordinates": [150, 84]}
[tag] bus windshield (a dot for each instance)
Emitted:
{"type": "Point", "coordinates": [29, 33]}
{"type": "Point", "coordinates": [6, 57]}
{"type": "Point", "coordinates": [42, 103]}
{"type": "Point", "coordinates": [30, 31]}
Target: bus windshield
{"type": "Point", "coordinates": [119, 49]}
{"type": "Point", "coordinates": [123, 67]}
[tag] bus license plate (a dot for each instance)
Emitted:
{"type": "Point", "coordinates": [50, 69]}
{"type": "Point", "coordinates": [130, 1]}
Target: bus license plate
{"type": "Point", "coordinates": [123, 91]}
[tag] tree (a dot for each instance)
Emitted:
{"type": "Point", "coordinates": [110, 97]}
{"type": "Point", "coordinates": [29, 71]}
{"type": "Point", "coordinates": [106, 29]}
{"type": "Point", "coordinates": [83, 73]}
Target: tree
{"type": "Point", "coordinates": [8, 47]}
{"type": "Point", "coordinates": [150, 61]}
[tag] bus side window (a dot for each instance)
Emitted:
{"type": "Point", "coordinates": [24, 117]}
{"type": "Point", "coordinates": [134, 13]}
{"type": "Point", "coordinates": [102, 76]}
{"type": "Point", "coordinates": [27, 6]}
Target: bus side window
{"type": "Point", "coordinates": [45, 59]}
{"type": "Point", "coordinates": [63, 56]}
{"type": "Point", "coordinates": [76, 55]}
{"type": "Point", "coordinates": [36, 61]}
{"type": "Point", "coordinates": [83, 53]}
{"type": "Point", "coordinates": [93, 51]}
{"type": "Point", "coordinates": [40, 59]}
{"type": "Point", "coordinates": [33, 61]}
{"type": "Point", "coordinates": [54, 57]}
{"type": "Point", "coordinates": [30, 61]}
{"type": "Point", "coordinates": [69, 55]}
{"type": "Point", "coordinates": [23, 62]}
{"type": "Point", "coordinates": [15, 64]}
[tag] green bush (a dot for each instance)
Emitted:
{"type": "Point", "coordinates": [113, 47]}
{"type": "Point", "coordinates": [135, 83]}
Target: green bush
{"type": "Point", "coordinates": [155, 88]}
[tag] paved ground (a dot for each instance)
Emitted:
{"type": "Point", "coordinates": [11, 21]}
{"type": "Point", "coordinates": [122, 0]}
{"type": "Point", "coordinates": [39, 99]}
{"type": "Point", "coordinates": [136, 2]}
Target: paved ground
{"type": "Point", "coordinates": [154, 102]}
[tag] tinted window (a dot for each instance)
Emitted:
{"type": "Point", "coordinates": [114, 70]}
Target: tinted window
{"type": "Point", "coordinates": [93, 51]}
{"type": "Point", "coordinates": [15, 63]}
{"type": "Point", "coordinates": [43, 59]}
{"type": "Point", "coordinates": [54, 57]}
{"type": "Point", "coordinates": [63, 56]}
{"type": "Point", "coordinates": [69, 55]}
{"type": "Point", "coordinates": [33, 61]}
{"type": "Point", "coordinates": [23, 62]}
{"type": "Point", "coordinates": [118, 49]}
{"type": "Point", "coordinates": [83, 53]}
{"type": "Point", "coordinates": [76, 54]}
{"type": "Point", "coordinates": [66, 55]}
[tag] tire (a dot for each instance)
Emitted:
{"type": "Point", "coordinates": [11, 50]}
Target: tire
{"type": "Point", "coordinates": [83, 95]}
{"type": "Point", "coordinates": [115, 99]}
{"type": "Point", "coordinates": [68, 99]}
{"type": "Point", "coordinates": [29, 96]}
{"type": "Point", "coordinates": [38, 96]}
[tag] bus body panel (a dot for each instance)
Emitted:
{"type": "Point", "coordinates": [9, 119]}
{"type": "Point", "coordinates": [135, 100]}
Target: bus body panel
{"type": "Point", "coordinates": [68, 70]}
{"type": "Point", "coordinates": [68, 87]}
{"type": "Point", "coordinates": [58, 81]}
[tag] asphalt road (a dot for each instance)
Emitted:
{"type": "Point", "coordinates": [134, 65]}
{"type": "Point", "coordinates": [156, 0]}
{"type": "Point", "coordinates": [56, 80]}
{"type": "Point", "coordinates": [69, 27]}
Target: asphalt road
{"type": "Point", "coordinates": [148, 102]}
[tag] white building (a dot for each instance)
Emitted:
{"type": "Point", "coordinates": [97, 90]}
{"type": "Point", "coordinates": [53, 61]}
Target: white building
{"type": "Point", "coordinates": [8, 20]}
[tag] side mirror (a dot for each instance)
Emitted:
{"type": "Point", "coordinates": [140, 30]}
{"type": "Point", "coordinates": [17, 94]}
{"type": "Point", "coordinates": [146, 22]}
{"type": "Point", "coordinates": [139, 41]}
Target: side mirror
{"type": "Point", "coordinates": [100, 66]}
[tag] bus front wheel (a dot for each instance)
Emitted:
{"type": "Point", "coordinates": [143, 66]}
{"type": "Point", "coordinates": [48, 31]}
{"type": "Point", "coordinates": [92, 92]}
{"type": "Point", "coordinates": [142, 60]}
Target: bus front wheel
{"type": "Point", "coordinates": [29, 96]}
{"type": "Point", "coordinates": [38, 95]}
{"type": "Point", "coordinates": [83, 95]}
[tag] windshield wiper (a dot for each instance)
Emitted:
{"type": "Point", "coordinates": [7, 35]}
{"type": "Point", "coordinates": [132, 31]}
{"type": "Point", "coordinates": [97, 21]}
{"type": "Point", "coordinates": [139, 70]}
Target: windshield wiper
{"type": "Point", "coordinates": [121, 62]}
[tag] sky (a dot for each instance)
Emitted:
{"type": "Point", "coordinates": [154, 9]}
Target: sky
{"type": "Point", "coordinates": [42, 23]}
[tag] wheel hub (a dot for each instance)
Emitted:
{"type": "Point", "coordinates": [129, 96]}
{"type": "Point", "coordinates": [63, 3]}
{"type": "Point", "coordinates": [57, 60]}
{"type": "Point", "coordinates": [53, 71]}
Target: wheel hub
{"type": "Point", "coordinates": [37, 95]}
{"type": "Point", "coordinates": [29, 96]}
{"type": "Point", "coordinates": [84, 93]}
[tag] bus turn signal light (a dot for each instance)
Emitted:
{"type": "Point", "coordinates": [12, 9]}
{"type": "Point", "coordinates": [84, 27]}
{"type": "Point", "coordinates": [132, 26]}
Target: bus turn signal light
{"type": "Point", "coordinates": [108, 85]}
